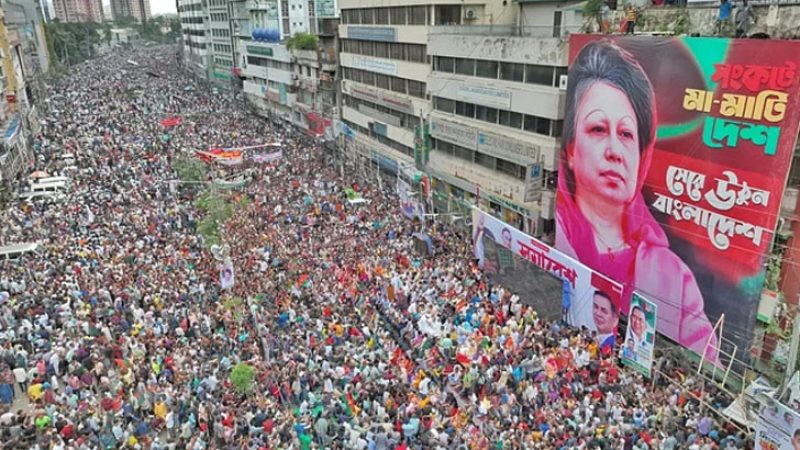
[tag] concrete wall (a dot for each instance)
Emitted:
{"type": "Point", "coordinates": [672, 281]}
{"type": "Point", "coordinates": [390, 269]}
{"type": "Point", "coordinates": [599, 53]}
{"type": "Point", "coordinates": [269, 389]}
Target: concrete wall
{"type": "Point", "coordinates": [776, 21]}
{"type": "Point", "coordinates": [411, 34]}
{"type": "Point", "coordinates": [499, 47]}
{"type": "Point", "coordinates": [532, 99]}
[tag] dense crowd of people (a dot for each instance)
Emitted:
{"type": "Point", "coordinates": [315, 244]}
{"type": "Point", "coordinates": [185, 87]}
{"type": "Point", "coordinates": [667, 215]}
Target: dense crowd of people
{"type": "Point", "coordinates": [119, 335]}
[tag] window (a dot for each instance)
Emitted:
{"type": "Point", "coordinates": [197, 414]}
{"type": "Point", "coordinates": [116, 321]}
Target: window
{"type": "Point", "coordinates": [557, 128]}
{"type": "Point", "coordinates": [538, 125]}
{"type": "Point", "coordinates": [465, 109]}
{"type": "Point", "coordinates": [486, 114]}
{"type": "Point", "coordinates": [484, 160]}
{"type": "Point", "coordinates": [368, 48]}
{"type": "Point", "coordinates": [444, 64]}
{"type": "Point", "coordinates": [382, 49]}
{"type": "Point", "coordinates": [382, 16]}
{"type": "Point", "coordinates": [416, 88]}
{"type": "Point", "coordinates": [486, 69]}
{"type": "Point", "coordinates": [368, 78]}
{"type": "Point", "coordinates": [448, 15]}
{"type": "Point", "coordinates": [397, 51]}
{"type": "Point", "coordinates": [399, 85]}
{"type": "Point", "coordinates": [382, 81]}
{"type": "Point", "coordinates": [418, 15]}
{"type": "Point", "coordinates": [398, 15]}
{"type": "Point", "coordinates": [465, 67]}
{"type": "Point", "coordinates": [539, 74]}
{"type": "Point", "coordinates": [510, 168]}
{"type": "Point", "coordinates": [445, 105]}
{"type": "Point", "coordinates": [415, 52]}
{"type": "Point", "coordinates": [367, 16]}
{"type": "Point", "coordinates": [512, 71]}
{"type": "Point", "coordinates": [511, 119]}
{"type": "Point", "coordinates": [463, 153]}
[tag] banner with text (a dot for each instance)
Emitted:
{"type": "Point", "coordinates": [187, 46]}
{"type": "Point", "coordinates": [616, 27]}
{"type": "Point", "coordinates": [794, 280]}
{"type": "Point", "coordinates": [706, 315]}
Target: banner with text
{"type": "Point", "coordinates": [674, 158]}
{"type": "Point", "coordinates": [640, 337]}
{"type": "Point", "coordinates": [589, 299]}
{"type": "Point", "coordinates": [778, 427]}
{"type": "Point", "coordinates": [409, 205]}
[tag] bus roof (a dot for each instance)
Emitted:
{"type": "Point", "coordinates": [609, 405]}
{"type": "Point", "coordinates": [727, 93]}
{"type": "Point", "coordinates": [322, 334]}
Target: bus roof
{"type": "Point", "coordinates": [23, 247]}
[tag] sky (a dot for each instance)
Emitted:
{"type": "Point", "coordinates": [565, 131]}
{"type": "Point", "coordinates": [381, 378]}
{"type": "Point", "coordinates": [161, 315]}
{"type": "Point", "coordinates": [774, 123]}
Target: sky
{"type": "Point", "coordinates": [162, 7]}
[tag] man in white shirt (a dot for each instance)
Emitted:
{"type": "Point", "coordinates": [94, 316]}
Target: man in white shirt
{"type": "Point", "coordinates": [638, 329]}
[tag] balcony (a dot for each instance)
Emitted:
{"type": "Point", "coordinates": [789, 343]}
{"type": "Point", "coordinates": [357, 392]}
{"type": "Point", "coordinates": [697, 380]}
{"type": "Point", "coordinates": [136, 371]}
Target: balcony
{"type": "Point", "coordinates": [327, 26]}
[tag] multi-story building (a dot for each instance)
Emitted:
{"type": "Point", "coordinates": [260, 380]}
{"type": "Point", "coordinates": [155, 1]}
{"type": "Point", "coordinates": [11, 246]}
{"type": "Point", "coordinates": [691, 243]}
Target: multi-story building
{"type": "Point", "coordinates": [296, 84]}
{"type": "Point", "coordinates": [195, 32]}
{"type": "Point", "coordinates": [78, 10]}
{"type": "Point", "coordinates": [24, 60]}
{"type": "Point", "coordinates": [121, 9]}
{"type": "Point", "coordinates": [221, 47]}
{"type": "Point", "coordinates": [139, 10]}
{"type": "Point", "coordinates": [495, 128]}
{"type": "Point", "coordinates": [462, 92]}
{"type": "Point", "coordinates": [385, 71]}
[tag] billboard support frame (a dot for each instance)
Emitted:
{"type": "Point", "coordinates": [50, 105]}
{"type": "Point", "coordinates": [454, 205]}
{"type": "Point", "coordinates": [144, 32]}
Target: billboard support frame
{"type": "Point", "coordinates": [717, 331]}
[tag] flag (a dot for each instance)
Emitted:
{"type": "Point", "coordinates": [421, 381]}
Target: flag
{"type": "Point", "coordinates": [463, 359]}
{"type": "Point", "coordinates": [350, 405]}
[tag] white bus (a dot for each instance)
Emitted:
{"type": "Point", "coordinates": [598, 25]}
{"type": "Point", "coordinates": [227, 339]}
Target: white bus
{"type": "Point", "coordinates": [55, 186]}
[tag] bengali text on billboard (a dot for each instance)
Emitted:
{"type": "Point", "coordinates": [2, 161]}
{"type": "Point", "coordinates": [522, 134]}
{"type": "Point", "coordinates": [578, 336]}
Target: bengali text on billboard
{"type": "Point", "coordinates": [674, 157]}
{"type": "Point", "coordinates": [589, 299]}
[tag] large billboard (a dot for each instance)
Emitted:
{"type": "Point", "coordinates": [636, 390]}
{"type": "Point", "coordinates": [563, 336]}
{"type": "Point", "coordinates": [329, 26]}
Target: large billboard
{"type": "Point", "coordinates": [589, 299]}
{"type": "Point", "coordinates": [674, 157]}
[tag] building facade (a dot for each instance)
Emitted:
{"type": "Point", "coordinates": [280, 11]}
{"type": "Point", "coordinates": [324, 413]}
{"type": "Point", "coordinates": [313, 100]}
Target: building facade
{"type": "Point", "coordinates": [24, 61]}
{"type": "Point", "coordinates": [195, 37]}
{"type": "Point", "coordinates": [295, 84]}
{"type": "Point", "coordinates": [139, 10]}
{"type": "Point", "coordinates": [221, 47]}
{"type": "Point", "coordinates": [496, 120]}
{"type": "Point", "coordinates": [78, 10]}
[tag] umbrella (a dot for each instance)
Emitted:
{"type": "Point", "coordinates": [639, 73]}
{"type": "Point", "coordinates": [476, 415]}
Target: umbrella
{"type": "Point", "coordinates": [39, 174]}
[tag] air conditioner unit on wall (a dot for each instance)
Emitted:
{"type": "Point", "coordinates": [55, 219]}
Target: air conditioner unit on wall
{"type": "Point", "coordinates": [562, 82]}
{"type": "Point", "coordinates": [470, 13]}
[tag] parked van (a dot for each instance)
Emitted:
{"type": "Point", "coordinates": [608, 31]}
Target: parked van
{"type": "Point", "coordinates": [55, 186]}
{"type": "Point", "coordinates": [16, 251]}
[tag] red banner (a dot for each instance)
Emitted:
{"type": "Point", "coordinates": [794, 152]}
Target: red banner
{"type": "Point", "coordinates": [674, 158]}
{"type": "Point", "coordinates": [170, 122]}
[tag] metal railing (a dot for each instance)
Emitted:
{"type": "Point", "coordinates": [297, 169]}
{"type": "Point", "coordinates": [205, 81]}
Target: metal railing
{"type": "Point", "coordinates": [506, 30]}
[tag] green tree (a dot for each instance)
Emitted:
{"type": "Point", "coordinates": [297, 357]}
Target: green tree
{"type": "Point", "coordinates": [302, 41]}
{"type": "Point", "coordinates": [592, 10]}
{"type": "Point", "coordinates": [242, 378]}
{"type": "Point", "coordinates": [189, 169]}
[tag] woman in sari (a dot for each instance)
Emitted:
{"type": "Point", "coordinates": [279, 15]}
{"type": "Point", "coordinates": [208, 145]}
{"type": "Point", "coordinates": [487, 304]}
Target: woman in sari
{"type": "Point", "coordinates": [602, 219]}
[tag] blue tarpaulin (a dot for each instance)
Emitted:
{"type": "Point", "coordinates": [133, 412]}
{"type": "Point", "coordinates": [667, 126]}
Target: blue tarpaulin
{"type": "Point", "coordinates": [12, 131]}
